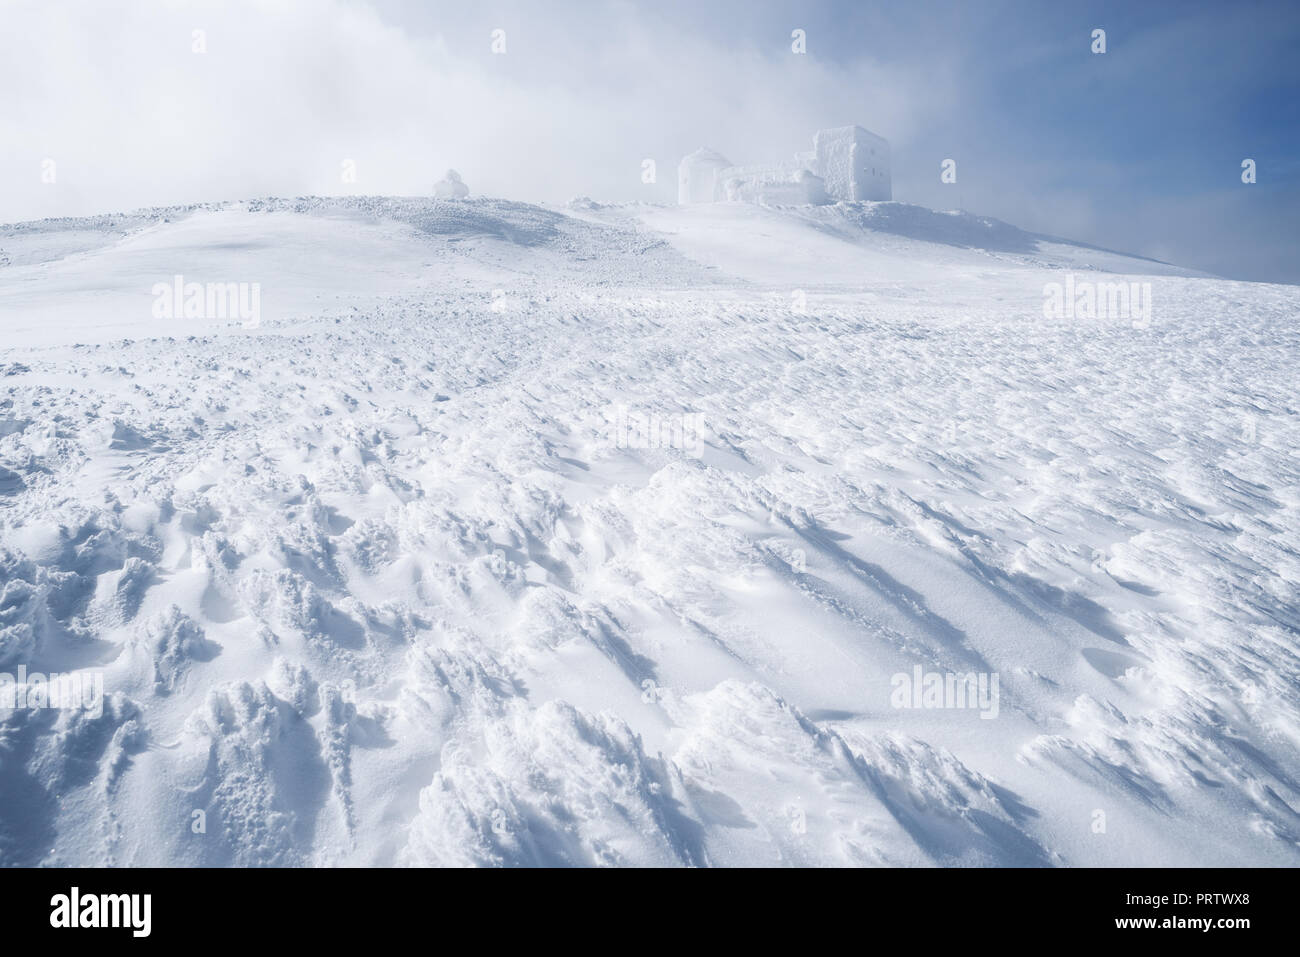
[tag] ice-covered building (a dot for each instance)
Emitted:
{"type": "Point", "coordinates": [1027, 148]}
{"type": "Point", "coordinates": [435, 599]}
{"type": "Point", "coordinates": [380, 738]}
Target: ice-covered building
{"type": "Point", "coordinates": [787, 184]}
{"type": "Point", "coordinates": [854, 163]}
{"type": "Point", "coordinates": [450, 186]}
{"type": "Point", "coordinates": [845, 163]}
{"type": "Point", "coordinates": [697, 177]}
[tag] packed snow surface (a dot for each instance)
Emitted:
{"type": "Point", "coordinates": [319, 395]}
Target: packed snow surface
{"type": "Point", "coordinates": [605, 535]}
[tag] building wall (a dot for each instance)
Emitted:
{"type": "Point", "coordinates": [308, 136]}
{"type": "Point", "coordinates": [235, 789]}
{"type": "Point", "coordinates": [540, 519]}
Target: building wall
{"type": "Point", "coordinates": [846, 163]}
{"type": "Point", "coordinates": [697, 177]}
{"type": "Point", "coordinates": [783, 185]}
{"type": "Point", "coordinates": [854, 164]}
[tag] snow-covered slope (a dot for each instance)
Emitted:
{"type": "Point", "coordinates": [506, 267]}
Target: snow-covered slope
{"type": "Point", "coordinates": [395, 577]}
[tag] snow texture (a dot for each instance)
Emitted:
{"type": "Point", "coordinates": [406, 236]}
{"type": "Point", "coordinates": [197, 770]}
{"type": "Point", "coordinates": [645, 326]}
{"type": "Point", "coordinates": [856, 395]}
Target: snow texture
{"type": "Point", "coordinates": [378, 580]}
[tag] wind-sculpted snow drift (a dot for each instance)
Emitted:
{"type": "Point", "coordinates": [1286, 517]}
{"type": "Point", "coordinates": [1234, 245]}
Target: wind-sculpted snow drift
{"type": "Point", "coordinates": [634, 535]}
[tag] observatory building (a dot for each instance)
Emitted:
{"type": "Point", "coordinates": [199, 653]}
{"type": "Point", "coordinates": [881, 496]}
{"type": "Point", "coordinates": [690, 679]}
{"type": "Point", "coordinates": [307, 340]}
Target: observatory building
{"type": "Point", "coordinates": [846, 163]}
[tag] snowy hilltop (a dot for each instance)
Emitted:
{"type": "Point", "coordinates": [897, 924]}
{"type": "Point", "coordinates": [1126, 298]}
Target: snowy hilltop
{"type": "Point", "coordinates": [420, 531]}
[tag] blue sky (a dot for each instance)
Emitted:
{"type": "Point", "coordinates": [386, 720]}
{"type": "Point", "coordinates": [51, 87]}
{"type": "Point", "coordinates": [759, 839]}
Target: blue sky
{"type": "Point", "coordinates": [1137, 149]}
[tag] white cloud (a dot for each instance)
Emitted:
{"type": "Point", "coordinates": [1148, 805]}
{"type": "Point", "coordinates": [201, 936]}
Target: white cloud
{"type": "Point", "coordinates": [287, 90]}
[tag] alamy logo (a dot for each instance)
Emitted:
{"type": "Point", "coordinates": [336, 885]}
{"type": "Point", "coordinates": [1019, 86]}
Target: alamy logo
{"type": "Point", "coordinates": [38, 691]}
{"type": "Point", "coordinates": [940, 690]}
{"type": "Point", "coordinates": [642, 430]}
{"type": "Point", "coordinates": [1098, 300]}
{"type": "Point", "coordinates": [103, 910]}
{"type": "Point", "coordinates": [179, 299]}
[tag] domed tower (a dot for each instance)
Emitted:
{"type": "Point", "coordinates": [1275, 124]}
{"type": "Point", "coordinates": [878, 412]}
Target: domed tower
{"type": "Point", "coordinates": [697, 177]}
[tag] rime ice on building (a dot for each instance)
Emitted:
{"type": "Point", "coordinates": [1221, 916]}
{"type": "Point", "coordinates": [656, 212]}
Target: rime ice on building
{"type": "Point", "coordinates": [846, 163]}
{"type": "Point", "coordinates": [697, 177]}
{"type": "Point", "coordinates": [854, 163]}
{"type": "Point", "coordinates": [450, 186]}
{"type": "Point", "coordinates": [786, 184]}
